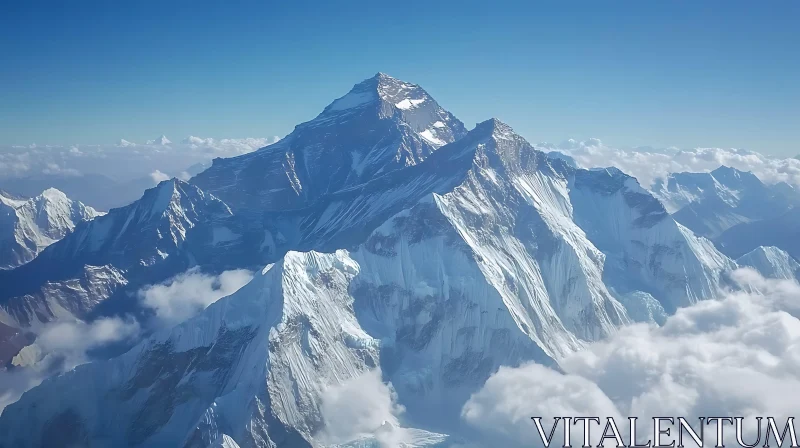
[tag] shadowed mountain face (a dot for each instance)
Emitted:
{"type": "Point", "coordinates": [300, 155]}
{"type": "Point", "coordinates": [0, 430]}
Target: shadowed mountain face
{"type": "Point", "coordinates": [380, 126]}
{"type": "Point", "coordinates": [781, 231]}
{"type": "Point", "coordinates": [711, 203]}
{"type": "Point", "coordinates": [391, 237]}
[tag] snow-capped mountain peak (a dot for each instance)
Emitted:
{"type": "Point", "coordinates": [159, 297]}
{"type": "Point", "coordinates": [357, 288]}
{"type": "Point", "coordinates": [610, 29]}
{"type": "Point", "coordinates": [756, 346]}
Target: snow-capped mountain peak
{"type": "Point", "coordinates": [381, 125]}
{"type": "Point", "coordinates": [736, 179]}
{"type": "Point", "coordinates": [771, 262]}
{"type": "Point", "coordinates": [160, 141]}
{"type": "Point", "coordinates": [393, 238]}
{"type": "Point", "coordinates": [391, 97]}
{"type": "Point", "coordinates": [28, 226]}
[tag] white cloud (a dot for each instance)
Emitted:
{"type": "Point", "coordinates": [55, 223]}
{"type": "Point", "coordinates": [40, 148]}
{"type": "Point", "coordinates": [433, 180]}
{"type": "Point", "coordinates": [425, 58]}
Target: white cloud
{"type": "Point", "coordinates": [190, 292]}
{"type": "Point", "coordinates": [508, 400]}
{"type": "Point", "coordinates": [158, 176]}
{"type": "Point", "coordinates": [737, 356]}
{"type": "Point", "coordinates": [76, 337]}
{"type": "Point", "coordinates": [122, 161]}
{"type": "Point", "coordinates": [648, 164]}
{"type": "Point", "coordinates": [362, 407]}
{"type": "Point", "coordinates": [59, 347]}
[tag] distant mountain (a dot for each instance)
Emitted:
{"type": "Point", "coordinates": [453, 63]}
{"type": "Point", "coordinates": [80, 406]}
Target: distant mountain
{"type": "Point", "coordinates": [27, 226]}
{"type": "Point", "coordinates": [771, 262]}
{"type": "Point", "coordinates": [781, 231]}
{"type": "Point", "coordinates": [160, 141]}
{"type": "Point", "coordinates": [711, 203]}
{"type": "Point", "coordinates": [95, 190]}
{"type": "Point", "coordinates": [142, 242]}
{"type": "Point", "coordinates": [385, 235]}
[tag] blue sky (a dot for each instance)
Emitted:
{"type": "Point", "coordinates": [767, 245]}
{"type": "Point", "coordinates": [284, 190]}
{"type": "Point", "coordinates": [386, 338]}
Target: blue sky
{"type": "Point", "coordinates": [710, 73]}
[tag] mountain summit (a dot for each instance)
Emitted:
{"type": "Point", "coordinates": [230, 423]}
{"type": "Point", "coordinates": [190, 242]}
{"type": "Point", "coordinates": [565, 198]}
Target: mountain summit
{"type": "Point", "coordinates": [27, 226]}
{"type": "Point", "coordinates": [381, 125]}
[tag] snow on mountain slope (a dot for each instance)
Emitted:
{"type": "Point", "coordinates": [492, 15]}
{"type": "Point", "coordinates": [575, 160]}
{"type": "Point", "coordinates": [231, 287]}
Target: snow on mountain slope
{"type": "Point", "coordinates": [646, 250]}
{"type": "Point", "coordinates": [460, 258]}
{"type": "Point", "coordinates": [252, 366]}
{"type": "Point", "coordinates": [490, 268]}
{"type": "Point", "coordinates": [27, 226]}
{"type": "Point", "coordinates": [73, 276]}
{"type": "Point", "coordinates": [381, 125]}
{"type": "Point", "coordinates": [771, 262]}
{"type": "Point", "coordinates": [710, 203]}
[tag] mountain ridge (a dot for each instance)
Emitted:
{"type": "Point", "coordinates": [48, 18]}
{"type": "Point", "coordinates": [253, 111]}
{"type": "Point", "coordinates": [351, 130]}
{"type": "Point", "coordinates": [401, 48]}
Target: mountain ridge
{"type": "Point", "coordinates": [436, 263]}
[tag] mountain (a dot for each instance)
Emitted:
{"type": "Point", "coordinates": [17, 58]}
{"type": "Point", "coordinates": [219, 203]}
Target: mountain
{"type": "Point", "coordinates": [249, 368]}
{"type": "Point", "coordinates": [710, 203]}
{"type": "Point", "coordinates": [387, 236]}
{"type": "Point", "coordinates": [27, 226]}
{"type": "Point", "coordinates": [381, 125]}
{"type": "Point", "coordinates": [781, 231]}
{"type": "Point", "coordinates": [95, 190]}
{"type": "Point", "coordinates": [160, 141]}
{"type": "Point", "coordinates": [771, 262]}
{"type": "Point", "coordinates": [143, 242]}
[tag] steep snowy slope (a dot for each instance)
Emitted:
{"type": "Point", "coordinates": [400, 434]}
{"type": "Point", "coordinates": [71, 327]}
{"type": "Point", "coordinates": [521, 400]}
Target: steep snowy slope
{"type": "Point", "coordinates": [27, 226]}
{"type": "Point", "coordinates": [460, 258]}
{"type": "Point", "coordinates": [144, 241]}
{"type": "Point", "coordinates": [382, 125]}
{"type": "Point", "coordinates": [489, 268]}
{"type": "Point", "coordinates": [771, 262]}
{"type": "Point", "coordinates": [252, 367]}
{"type": "Point", "coordinates": [646, 250]}
{"type": "Point", "coordinates": [710, 203]}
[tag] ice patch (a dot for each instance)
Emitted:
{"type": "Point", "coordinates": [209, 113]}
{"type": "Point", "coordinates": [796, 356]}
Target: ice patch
{"type": "Point", "coordinates": [409, 103]}
{"type": "Point", "coordinates": [351, 100]}
{"type": "Point", "coordinates": [428, 135]}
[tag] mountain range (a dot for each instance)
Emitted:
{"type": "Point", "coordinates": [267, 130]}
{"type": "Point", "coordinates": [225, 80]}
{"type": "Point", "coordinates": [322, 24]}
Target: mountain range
{"type": "Point", "coordinates": [384, 234]}
{"type": "Point", "coordinates": [711, 203]}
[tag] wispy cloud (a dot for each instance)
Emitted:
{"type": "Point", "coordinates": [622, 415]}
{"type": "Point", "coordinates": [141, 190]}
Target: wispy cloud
{"type": "Point", "coordinates": [123, 161]}
{"type": "Point", "coordinates": [649, 164]}
{"type": "Point", "coordinates": [59, 347]}
{"type": "Point", "coordinates": [736, 356]}
{"type": "Point", "coordinates": [362, 407]}
{"type": "Point", "coordinates": [190, 292]}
